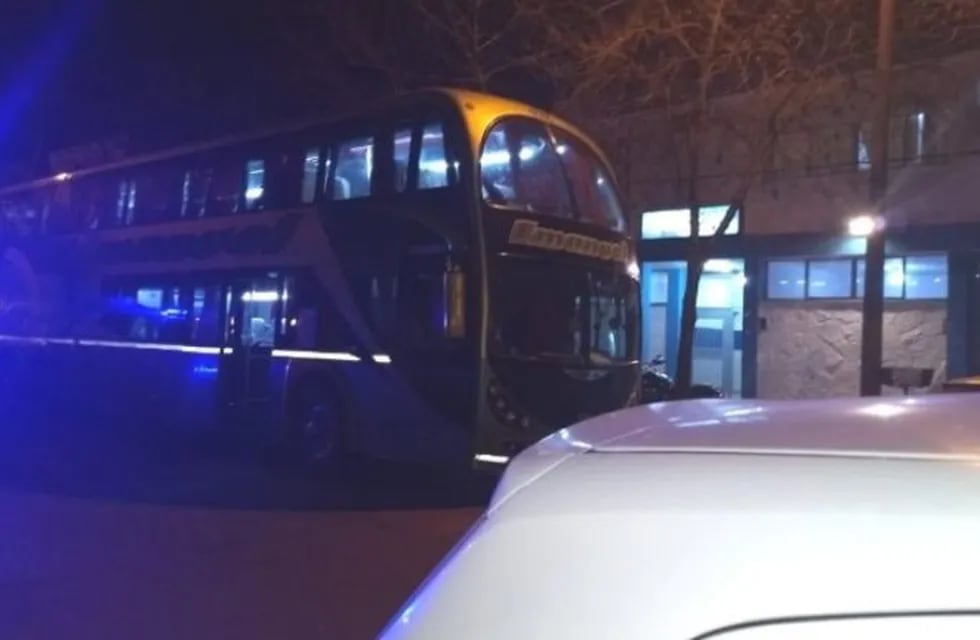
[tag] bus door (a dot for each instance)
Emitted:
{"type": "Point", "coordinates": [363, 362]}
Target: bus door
{"type": "Point", "coordinates": [250, 384]}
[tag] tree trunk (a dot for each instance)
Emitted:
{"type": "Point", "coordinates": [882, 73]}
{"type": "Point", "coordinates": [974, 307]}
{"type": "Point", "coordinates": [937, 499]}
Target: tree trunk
{"type": "Point", "coordinates": [689, 317]}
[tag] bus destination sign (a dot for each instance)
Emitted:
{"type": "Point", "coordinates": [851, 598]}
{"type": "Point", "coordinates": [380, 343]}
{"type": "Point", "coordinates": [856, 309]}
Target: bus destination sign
{"type": "Point", "coordinates": [529, 233]}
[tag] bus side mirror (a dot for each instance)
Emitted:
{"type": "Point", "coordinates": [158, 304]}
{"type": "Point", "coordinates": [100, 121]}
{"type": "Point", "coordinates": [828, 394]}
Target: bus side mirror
{"type": "Point", "coordinates": [454, 286]}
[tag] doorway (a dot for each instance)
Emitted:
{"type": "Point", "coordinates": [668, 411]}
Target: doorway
{"type": "Point", "coordinates": [718, 330]}
{"type": "Point", "coordinates": [253, 308]}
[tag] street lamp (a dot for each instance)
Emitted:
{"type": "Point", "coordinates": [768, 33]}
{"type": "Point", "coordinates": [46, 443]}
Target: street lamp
{"type": "Point", "coordinates": [864, 225]}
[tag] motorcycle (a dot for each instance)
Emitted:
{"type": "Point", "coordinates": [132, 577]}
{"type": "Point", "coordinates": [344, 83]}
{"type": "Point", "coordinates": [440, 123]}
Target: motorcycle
{"type": "Point", "coordinates": [657, 386]}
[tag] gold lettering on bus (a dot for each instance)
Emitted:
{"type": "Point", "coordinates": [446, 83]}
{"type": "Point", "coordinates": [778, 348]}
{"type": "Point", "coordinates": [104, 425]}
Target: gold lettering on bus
{"type": "Point", "coordinates": [529, 233]}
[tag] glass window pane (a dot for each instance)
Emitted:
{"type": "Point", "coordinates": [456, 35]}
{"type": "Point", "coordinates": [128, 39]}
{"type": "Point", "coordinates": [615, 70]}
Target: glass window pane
{"type": "Point", "coordinates": [595, 195]}
{"type": "Point", "coordinates": [259, 312]}
{"type": "Point", "coordinates": [311, 166]}
{"type": "Point", "coordinates": [185, 193]}
{"type": "Point", "coordinates": [205, 305]}
{"type": "Point", "coordinates": [152, 298]}
{"type": "Point", "coordinates": [355, 165]}
{"type": "Point", "coordinates": [894, 278]}
{"type": "Point", "coordinates": [496, 169]}
{"type": "Point", "coordinates": [254, 183]}
{"type": "Point", "coordinates": [676, 223]}
{"type": "Point", "coordinates": [829, 279]}
{"type": "Point", "coordinates": [433, 160]}
{"type": "Point", "coordinates": [400, 154]}
{"type": "Point", "coordinates": [519, 168]}
{"type": "Point", "coordinates": [666, 223]}
{"type": "Point", "coordinates": [657, 287]}
{"type": "Point", "coordinates": [710, 219]}
{"type": "Point", "coordinates": [926, 277]}
{"type": "Point", "coordinates": [787, 279]}
{"type": "Point", "coordinates": [126, 204]}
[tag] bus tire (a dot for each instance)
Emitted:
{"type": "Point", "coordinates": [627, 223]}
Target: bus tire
{"type": "Point", "coordinates": [317, 429]}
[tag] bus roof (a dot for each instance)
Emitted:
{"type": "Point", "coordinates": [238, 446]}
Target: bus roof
{"type": "Point", "coordinates": [479, 110]}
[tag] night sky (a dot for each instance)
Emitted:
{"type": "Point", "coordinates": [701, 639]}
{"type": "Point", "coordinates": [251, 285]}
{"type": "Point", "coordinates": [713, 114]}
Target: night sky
{"type": "Point", "coordinates": [74, 71]}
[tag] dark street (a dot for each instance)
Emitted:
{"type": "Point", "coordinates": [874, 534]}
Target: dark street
{"type": "Point", "coordinates": [187, 540]}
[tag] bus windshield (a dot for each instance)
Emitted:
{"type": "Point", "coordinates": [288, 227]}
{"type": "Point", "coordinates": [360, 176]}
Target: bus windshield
{"type": "Point", "coordinates": [544, 311]}
{"type": "Point", "coordinates": [525, 165]}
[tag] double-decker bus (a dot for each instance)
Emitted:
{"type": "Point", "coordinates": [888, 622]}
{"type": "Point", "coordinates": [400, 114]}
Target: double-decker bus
{"type": "Point", "coordinates": [445, 276]}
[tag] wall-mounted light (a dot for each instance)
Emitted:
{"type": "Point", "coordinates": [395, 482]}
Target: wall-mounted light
{"type": "Point", "coordinates": [864, 225]}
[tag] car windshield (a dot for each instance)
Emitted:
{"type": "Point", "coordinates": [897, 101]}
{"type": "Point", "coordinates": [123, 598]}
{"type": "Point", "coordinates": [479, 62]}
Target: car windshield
{"type": "Point", "coordinates": [526, 166]}
{"type": "Point", "coordinates": [546, 311]}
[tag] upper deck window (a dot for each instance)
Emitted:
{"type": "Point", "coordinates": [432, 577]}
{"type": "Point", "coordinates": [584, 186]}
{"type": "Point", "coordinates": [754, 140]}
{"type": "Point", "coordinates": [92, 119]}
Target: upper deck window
{"type": "Point", "coordinates": [522, 166]}
{"type": "Point", "coordinates": [519, 168]}
{"type": "Point", "coordinates": [311, 167]}
{"type": "Point", "coordinates": [254, 184]}
{"type": "Point", "coordinates": [355, 166]}
{"type": "Point", "coordinates": [401, 153]}
{"type": "Point", "coordinates": [126, 203]}
{"type": "Point", "coordinates": [591, 185]}
{"type": "Point", "coordinates": [433, 163]}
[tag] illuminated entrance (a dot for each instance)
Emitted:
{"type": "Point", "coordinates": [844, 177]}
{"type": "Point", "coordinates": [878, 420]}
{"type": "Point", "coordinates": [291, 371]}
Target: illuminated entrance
{"type": "Point", "coordinates": [718, 331]}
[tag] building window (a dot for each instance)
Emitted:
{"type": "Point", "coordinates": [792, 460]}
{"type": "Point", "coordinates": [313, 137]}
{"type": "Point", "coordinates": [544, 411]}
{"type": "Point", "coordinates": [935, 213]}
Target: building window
{"type": "Point", "coordinates": [829, 279]}
{"type": "Point", "coordinates": [894, 278]}
{"type": "Point", "coordinates": [126, 204]}
{"type": "Point", "coordinates": [863, 146]}
{"type": "Point", "coordinates": [787, 279]}
{"type": "Point", "coordinates": [433, 164]}
{"type": "Point", "coordinates": [311, 168]}
{"type": "Point", "coordinates": [676, 223]}
{"type": "Point", "coordinates": [355, 166]}
{"type": "Point", "coordinates": [915, 136]}
{"type": "Point", "coordinates": [907, 138]}
{"type": "Point", "coordinates": [926, 277]}
{"type": "Point", "coordinates": [254, 184]}
{"type": "Point", "coordinates": [923, 277]}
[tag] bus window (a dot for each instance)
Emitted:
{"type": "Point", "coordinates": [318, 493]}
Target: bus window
{"type": "Point", "coordinates": [595, 198]}
{"type": "Point", "coordinates": [311, 168]}
{"type": "Point", "coordinates": [259, 312]}
{"type": "Point", "coordinates": [433, 164]}
{"type": "Point", "coordinates": [205, 305]}
{"type": "Point", "coordinates": [159, 188]}
{"type": "Point", "coordinates": [401, 153]}
{"type": "Point", "coordinates": [355, 165]}
{"type": "Point", "coordinates": [254, 184]}
{"type": "Point", "coordinates": [194, 198]}
{"type": "Point", "coordinates": [226, 187]}
{"type": "Point", "coordinates": [150, 297]}
{"type": "Point", "coordinates": [519, 168]}
{"type": "Point", "coordinates": [22, 213]}
{"type": "Point", "coordinates": [126, 203]}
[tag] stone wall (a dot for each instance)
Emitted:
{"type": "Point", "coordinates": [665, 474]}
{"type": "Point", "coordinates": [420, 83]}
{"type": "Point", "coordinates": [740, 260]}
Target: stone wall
{"type": "Point", "coordinates": [812, 350]}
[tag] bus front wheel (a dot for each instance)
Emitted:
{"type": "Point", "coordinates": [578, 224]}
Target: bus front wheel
{"type": "Point", "coordinates": [318, 431]}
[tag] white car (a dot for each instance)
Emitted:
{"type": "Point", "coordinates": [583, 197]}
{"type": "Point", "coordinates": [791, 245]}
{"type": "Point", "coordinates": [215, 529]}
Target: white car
{"type": "Point", "coordinates": [740, 520]}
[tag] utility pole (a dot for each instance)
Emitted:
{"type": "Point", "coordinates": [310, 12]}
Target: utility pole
{"type": "Point", "coordinates": [872, 316]}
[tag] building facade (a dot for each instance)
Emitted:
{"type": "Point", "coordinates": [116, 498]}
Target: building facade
{"type": "Point", "coordinates": [779, 304]}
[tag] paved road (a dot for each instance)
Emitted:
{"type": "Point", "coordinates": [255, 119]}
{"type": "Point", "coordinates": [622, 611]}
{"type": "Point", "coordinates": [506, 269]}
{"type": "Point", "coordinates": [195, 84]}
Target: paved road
{"type": "Point", "coordinates": [104, 540]}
